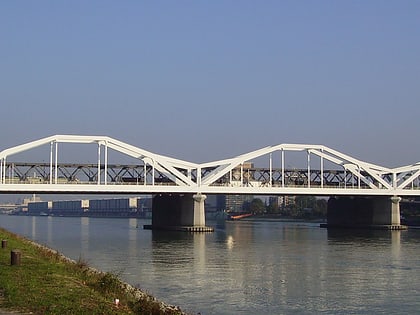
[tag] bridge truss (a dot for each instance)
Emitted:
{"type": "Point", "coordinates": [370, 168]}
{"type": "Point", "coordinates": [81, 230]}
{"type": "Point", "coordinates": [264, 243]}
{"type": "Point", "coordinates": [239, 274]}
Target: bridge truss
{"type": "Point", "coordinates": [326, 172]}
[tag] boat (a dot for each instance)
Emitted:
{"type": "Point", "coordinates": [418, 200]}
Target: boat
{"type": "Point", "coordinates": [237, 216]}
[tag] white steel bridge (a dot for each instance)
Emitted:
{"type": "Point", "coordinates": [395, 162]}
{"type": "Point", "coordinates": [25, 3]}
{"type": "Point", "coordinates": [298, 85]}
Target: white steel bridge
{"type": "Point", "coordinates": [322, 171]}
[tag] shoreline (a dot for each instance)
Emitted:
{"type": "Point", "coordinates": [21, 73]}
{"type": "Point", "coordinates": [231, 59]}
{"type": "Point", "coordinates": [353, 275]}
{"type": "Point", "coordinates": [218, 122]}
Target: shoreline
{"type": "Point", "coordinates": [135, 295]}
{"type": "Point", "coordinates": [130, 289]}
{"type": "Point", "coordinates": [282, 219]}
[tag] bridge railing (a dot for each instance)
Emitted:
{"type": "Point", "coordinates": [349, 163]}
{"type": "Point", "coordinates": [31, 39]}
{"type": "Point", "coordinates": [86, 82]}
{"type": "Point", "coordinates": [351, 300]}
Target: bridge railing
{"type": "Point", "coordinates": [255, 178]}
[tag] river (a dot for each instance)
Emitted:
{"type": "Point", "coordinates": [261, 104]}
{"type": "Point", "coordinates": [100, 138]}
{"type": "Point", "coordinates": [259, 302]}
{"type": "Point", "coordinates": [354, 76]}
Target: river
{"type": "Point", "coordinates": [246, 267]}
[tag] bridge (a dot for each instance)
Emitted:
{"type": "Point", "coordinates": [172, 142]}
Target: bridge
{"type": "Point", "coordinates": [317, 170]}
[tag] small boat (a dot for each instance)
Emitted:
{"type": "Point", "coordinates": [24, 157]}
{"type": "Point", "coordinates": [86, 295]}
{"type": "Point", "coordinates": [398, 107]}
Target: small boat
{"type": "Point", "coordinates": [238, 216]}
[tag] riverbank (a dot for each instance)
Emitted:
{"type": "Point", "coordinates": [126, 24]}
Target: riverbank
{"type": "Point", "coordinates": [42, 281]}
{"type": "Point", "coordinates": [281, 218]}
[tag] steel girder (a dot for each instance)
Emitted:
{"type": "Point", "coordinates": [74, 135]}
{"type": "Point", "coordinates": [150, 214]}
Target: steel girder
{"type": "Point", "coordinates": [88, 173]}
{"type": "Point", "coordinates": [153, 169]}
{"type": "Point", "coordinates": [349, 171]}
{"type": "Point", "coordinates": [82, 173]}
{"type": "Point", "coordinates": [170, 167]}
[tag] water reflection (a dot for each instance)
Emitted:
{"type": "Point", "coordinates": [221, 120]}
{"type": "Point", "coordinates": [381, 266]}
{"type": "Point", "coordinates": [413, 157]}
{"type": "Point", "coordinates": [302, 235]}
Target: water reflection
{"type": "Point", "coordinates": [33, 228]}
{"type": "Point", "coordinates": [132, 237]}
{"type": "Point", "coordinates": [396, 244]}
{"type": "Point", "coordinates": [172, 249]}
{"type": "Point", "coordinates": [246, 267]}
{"type": "Point", "coordinates": [230, 242]}
{"type": "Point", "coordinates": [200, 252]}
{"type": "Point", "coordinates": [366, 262]}
{"type": "Point", "coordinates": [359, 235]}
{"type": "Point", "coordinates": [84, 235]}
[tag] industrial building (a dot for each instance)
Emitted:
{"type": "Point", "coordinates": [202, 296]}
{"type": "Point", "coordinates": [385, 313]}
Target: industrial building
{"type": "Point", "coordinates": [116, 207]}
{"type": "Point", "coordinates": [127, 207]}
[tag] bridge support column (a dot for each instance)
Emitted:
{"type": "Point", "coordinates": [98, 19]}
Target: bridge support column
{"type": "Point", "coordinates": [180, 212]}
{"type": "Point", "coordinates": [387, 211]}
{"type": "Point", "coordinates": [364, 212]}
{"type": "Point", "coordinates": [199, 213]}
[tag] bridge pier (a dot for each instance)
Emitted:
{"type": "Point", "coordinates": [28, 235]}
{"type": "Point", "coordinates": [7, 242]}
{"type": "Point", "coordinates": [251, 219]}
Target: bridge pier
{"type": "Point", "coordinates": [364, 212]}
{"type": "Point", "coordinates": [179, 212]}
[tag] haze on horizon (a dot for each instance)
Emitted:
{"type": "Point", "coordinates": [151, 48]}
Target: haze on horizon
{"type": "Point", "coordinates": [202, 81]}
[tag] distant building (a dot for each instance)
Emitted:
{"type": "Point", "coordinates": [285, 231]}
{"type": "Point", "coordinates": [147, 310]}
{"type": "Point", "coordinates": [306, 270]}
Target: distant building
{"type": "Point", "coordinates": [235, 203]}
{"type": "Point", "coordinates": [126, 207]}
{"type": "Point", "coordinates": [281, 202]}
{"type": "Point", "coordinates": [116, 207]}
{"type": "Point", "coordinates": [27, 201]}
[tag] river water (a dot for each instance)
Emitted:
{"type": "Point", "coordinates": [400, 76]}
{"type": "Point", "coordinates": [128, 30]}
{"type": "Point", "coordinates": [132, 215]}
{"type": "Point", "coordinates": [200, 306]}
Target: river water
{"type": "Point", "coordinates": [246, 267]}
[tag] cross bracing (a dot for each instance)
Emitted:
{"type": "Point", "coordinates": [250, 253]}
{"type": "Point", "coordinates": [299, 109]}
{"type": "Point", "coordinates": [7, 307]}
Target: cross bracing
{"type": "Point", "coordinates": [326, 172]}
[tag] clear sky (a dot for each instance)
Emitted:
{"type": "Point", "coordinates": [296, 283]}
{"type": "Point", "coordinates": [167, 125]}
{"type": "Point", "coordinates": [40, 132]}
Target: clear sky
{"type": "Point", "coordinates": [204, 80]}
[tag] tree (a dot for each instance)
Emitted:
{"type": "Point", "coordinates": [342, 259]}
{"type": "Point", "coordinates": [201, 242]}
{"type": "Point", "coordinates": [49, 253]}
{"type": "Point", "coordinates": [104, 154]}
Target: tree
{"type": "Point", "coordinates": [309, 206]}
{"type": "Point", "coordinates": [305, 202]}
{"type": "Point", "coordinates": [320, 208]}
{"type": "Point", "coordinates": [273, 208]}
{"type": "Point", "coordinates": [257, 206]}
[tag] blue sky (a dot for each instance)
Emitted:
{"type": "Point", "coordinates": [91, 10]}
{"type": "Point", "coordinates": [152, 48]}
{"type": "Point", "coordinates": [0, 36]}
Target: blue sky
{"type": "Point", "coordinates": [203, 80]}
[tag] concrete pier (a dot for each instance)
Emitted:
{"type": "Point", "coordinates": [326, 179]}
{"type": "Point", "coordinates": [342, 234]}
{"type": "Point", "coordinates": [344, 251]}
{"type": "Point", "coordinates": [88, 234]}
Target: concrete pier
{"type": "Point", "coordinates": [364, 212]}
{"type": "Point", "coordinates": [179, 212]}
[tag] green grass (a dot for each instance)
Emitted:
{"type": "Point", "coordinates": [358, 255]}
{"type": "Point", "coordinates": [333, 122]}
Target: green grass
{"type": "Point", "coordinates": [47, 283]}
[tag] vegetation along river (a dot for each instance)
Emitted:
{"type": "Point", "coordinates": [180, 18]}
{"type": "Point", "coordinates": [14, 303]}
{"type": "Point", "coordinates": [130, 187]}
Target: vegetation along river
{"type": "Point", "coordinates": [246, 267]}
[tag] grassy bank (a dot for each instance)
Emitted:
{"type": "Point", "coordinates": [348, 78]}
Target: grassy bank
{"type": "Point", "coordinates": [46, 282]}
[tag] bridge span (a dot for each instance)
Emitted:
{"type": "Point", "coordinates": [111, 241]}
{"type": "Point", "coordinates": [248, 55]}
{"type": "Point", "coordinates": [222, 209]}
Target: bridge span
{"type": "Point", "coordinates": [318, 170]}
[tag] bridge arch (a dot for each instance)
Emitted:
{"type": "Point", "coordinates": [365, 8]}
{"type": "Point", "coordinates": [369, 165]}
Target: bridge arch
{"type": "Point", "coordinates": [161, 173]}
{"type": "Point", "coordinates": [170, 167]}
